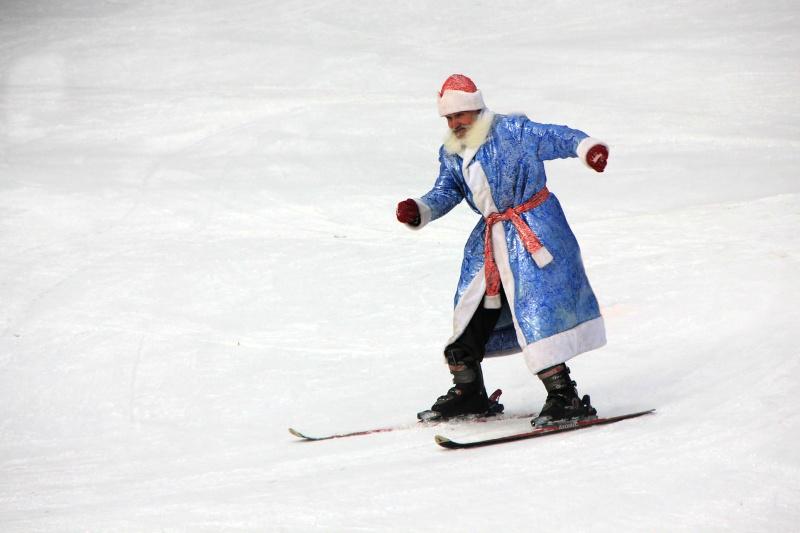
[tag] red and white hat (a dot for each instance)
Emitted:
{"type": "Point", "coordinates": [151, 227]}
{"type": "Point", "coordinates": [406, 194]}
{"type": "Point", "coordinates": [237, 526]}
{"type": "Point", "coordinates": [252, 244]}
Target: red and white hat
{"type": "Point", "coordinates": [459, 93]}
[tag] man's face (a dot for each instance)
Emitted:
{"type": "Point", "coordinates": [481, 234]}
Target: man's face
{"type": "Point", "coordinates": [459, 123]}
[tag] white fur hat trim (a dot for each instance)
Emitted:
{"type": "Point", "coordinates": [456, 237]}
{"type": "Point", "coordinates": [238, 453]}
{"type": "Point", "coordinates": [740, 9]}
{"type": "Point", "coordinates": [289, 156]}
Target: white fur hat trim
{"type": "Point", "coordinates": [454, 101]}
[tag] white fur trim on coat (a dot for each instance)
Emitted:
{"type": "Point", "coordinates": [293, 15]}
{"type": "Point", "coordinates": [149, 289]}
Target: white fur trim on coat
{"type": "Point", "coordinates": [469, 302]}
{"type": "Point", "coordinates": [585, 145]}
{"type": "Point", "coordinates": [455, 101]}
{"type": "Point", "coordinates": [563, 346]}
{"type": "Point", "coordinates": [424, 215]}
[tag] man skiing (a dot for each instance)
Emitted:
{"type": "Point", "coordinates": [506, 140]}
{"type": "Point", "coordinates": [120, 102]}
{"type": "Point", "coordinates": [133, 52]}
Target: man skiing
{"type": "Point", "coordinates": [523, 287]}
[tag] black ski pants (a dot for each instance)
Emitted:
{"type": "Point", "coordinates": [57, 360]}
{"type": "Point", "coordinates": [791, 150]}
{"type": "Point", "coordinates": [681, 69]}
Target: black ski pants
{"type": "Point", "coordinates": [471, 345]}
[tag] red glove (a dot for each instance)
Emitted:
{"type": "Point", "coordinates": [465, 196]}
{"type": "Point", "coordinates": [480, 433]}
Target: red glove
{"type": "Point", "coordinates": [408, 212]}
{"type": "Point", "coordinates": [597, 157]}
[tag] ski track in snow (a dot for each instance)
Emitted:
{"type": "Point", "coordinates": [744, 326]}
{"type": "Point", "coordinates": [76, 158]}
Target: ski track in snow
{"type": "Point", "coordinates": [199, 251]}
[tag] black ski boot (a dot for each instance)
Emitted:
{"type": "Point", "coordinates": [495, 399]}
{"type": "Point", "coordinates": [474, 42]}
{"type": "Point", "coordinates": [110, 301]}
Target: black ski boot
{"type": "Point", "coordinates": [563, 402]}
{"type": "Point", "coordinates": [467, 397]}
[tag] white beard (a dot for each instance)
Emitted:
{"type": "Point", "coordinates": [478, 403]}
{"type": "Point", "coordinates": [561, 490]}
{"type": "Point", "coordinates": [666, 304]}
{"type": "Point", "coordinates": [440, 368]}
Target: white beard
{"type": "Point", "coordinates": [475, 136]}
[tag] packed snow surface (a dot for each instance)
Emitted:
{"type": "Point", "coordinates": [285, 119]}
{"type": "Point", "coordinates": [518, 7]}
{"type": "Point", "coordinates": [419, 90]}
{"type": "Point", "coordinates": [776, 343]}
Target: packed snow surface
{"type": "Point", "coordinates": [198, 250]}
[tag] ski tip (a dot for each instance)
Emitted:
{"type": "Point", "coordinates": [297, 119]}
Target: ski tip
{"type": "Point", "coordinates": [297, 433]}
{"type": "Point", "coordinates": [448, 444]}
{"type": "Point", "coordinates": [441, 440]}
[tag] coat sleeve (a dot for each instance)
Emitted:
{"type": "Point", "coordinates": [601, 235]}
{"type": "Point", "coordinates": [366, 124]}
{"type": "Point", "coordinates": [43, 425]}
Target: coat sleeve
{"type": "Point", "coordinates": [446, 193]}
{"type": "Point", "coordinates": [552, 141]}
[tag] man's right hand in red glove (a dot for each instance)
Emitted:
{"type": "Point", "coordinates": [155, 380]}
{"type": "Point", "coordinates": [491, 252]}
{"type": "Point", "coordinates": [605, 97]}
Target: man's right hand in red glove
{"type": "Point", "coordinates": [408, 212]}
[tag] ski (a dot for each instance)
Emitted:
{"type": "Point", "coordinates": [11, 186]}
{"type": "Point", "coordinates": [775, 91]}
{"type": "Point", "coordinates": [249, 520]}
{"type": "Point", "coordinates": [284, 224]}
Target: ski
{"type": "Point", "coordinates": [303, 436]}
{"type": "Point", "coordinates": [427, 420]}
{"type": "Point", "coordinates": [550, 429]}
{"type": "Point", "coordinates": [401, 427]}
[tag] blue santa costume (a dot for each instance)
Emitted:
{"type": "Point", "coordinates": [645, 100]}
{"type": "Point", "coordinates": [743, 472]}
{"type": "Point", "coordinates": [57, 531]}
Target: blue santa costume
{"type": "Point", "coordinates": [551, 313]}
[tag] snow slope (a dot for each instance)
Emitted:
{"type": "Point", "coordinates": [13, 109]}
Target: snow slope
{"type": "Point", "coordinates": [198, 250]}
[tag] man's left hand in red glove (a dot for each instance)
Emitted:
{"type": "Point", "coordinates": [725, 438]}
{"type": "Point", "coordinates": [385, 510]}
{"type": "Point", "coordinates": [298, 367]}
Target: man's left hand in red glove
{"type": "Point", "coordinates": [597, 157]}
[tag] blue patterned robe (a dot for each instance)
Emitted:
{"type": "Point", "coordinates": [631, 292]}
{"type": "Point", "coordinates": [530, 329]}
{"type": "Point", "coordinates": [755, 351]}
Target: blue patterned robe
{"type": "Point", "coordinates": [553, 314]}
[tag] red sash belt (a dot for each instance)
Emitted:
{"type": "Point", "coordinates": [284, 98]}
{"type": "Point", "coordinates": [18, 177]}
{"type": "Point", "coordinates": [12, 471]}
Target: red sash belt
{"type": "Point", "coordinates": [528, 237]}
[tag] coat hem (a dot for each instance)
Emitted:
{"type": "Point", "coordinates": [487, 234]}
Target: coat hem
{"type": "Point", "coordinates": [561, 347]}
